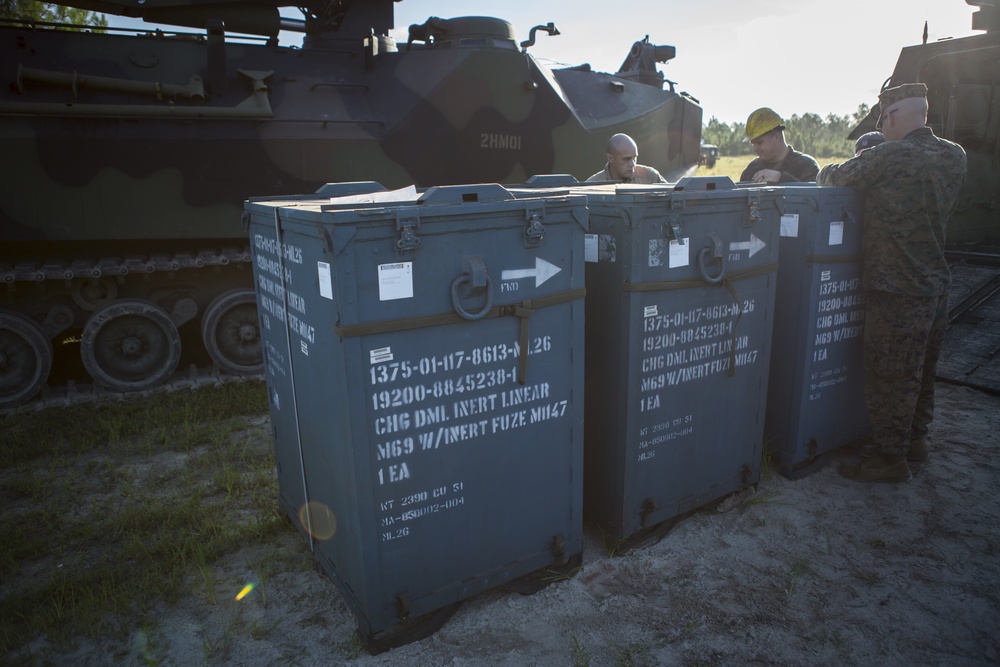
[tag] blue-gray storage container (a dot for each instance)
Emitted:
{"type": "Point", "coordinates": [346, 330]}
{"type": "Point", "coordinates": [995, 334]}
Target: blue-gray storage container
{"type": "Point", "coordinates": [816, 400]}
{"type": "Point", "coordinates": [424, 364]}
{"type": "Point", "coordinates": [680, 296]}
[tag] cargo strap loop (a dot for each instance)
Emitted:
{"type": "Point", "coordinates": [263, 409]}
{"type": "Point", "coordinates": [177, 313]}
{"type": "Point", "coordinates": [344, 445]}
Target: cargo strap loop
{"type": "Point", "coordinates": [522, 310]}
{"type": "Point", "coordinates": [661, 285]}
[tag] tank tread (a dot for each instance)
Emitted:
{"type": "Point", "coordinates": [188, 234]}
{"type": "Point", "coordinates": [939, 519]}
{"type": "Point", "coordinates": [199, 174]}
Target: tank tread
{"type": "Point", "coordinates": [58, 273]}
{"type": "Point", "coordinates": [73, 393]}
{"type": "Point", "coordinates": [121, 266]}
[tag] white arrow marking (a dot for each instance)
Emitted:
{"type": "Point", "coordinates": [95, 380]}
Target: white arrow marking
{"type": "Point", "coordinates": [543, 271]}
{"type": "Point", "coordinates": [754, 245]}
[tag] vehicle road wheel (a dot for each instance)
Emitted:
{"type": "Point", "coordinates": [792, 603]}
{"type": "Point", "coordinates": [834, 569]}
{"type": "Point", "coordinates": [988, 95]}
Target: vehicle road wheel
{"type": "Point", "coordinates": [231, 333]}
{"type": "Point", "coordinates": [130, 345]}
{"type": "Point", "coordinates": [92, 293]}
{"type": "Point", "coordinates": [25, 359]}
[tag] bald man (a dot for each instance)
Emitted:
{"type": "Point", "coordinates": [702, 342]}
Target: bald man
{"type": "Point", "coordinates": [622, 164]}
{"type": "Point", "coordinates": [911, 184]}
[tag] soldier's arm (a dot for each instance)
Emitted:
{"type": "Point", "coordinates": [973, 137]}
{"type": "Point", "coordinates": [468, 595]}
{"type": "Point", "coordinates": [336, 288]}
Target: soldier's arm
{"type": "Point", "coordinates": [858, 172]}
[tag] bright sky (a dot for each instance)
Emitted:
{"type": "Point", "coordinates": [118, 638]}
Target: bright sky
{"type": "Point", "coordinates": [796, 56]}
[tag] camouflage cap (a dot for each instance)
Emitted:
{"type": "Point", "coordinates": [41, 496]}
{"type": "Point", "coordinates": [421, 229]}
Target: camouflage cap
{"type": "Point", "coordinates": [890, 96]}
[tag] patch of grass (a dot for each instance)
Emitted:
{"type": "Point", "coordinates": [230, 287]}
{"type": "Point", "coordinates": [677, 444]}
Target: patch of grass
{"type": "Point", "coordinates": [796, 570]}
{"type": "Point", "coordinates": [130, 511]}
{"type": "Point", "coordinates": [580, 657]}
{"type": "Point", "coordinates": [263, 567]}
{"type": "Point", "coordinates": [630, 656]}
{"type": "Point", "coordinates": [768, 462]}
{"type": "Point", "coordinates": [74, 429]}
{"type": "Point", "coordinates": [353, 647]}
{"type": "Point", "coordinates": [208, 577]}
{"type": "Point", "coordinates": [870, 578]}
{"type": "Point", "coordinates": [612, 545]}
{"type": "Point", "coordinates": [758, 497]}
{"type": "Point", "coordinates": [258, 631]}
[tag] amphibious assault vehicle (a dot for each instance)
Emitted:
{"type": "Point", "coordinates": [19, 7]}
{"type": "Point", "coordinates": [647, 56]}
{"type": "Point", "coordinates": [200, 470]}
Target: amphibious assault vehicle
{"type": "Point", "coordinates": [126, 158]}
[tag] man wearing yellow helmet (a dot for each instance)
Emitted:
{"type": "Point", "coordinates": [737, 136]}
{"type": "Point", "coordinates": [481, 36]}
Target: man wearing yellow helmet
{"type": "Point", "coordinates": [776, 161]}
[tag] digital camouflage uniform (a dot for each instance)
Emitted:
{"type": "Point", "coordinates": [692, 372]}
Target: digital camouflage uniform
{"type": "Point", "coordinates": [911, 188]}
{"type": "Point", "coordinates": [643, 174]}
{"type": "Point", "coordinates": [796, 167]}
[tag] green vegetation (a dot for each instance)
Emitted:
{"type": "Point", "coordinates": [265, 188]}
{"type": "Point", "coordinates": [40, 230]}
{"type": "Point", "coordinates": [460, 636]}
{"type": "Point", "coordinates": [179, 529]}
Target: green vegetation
{"type": "Point", "coordinates": [39, 11]}
{"type": "Point", "coordinates": [822, 138]}
{"type": "Point", "coordinates": [580, 656]}
{"type": "Point", "coordinates": [110, 510]}
{"type": "Point", "coordinates": [733, 165]}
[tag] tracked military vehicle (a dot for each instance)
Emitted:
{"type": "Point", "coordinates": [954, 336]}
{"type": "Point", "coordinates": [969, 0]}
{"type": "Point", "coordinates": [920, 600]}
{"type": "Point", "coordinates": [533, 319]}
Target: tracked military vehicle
{"type": "Point", "coordinates": [126, 157]}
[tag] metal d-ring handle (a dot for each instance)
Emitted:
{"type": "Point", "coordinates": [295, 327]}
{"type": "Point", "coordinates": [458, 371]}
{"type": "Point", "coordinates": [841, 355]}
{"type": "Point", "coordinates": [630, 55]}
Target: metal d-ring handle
{"type": "Point", "coordinates": [456, 302]}
{"type": "Point", "coordinates": [716, 250]}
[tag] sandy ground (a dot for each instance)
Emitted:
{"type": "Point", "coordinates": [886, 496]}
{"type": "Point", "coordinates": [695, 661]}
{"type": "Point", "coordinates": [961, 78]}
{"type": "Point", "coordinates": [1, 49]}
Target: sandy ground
{"type": "Point", "coordinates": [818, 571]}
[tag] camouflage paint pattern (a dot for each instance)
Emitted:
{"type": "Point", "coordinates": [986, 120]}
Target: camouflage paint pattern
{"type": "Point", "coordinates": [911, 188]}
{"type": "Point", "coordinates": [127, 157]}
{"type": "Point", "coordinates": [902, 340]}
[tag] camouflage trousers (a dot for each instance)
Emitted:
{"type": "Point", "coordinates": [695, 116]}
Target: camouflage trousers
{"type": "Point", "coordinates": [902, 343]}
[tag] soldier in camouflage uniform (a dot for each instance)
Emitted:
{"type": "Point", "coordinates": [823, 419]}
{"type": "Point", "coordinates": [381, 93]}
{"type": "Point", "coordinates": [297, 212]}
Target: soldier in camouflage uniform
{"type": "Point", "coordinates": [622, 165]}
{"type": "Point", "coordinates": [911, 184]}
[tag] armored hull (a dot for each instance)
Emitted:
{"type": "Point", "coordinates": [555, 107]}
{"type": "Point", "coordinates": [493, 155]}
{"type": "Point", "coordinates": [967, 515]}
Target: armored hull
{"type": "Point", "coordinates": [127, 158]}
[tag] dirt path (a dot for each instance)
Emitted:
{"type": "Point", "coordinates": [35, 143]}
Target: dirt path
{"type": "Point", "coordinates": [816, 571]}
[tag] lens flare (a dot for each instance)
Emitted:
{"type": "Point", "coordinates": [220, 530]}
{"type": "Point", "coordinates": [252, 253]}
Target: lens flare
{"type": "Point", "coordinates": [246, 591]}
{"type": "Point", "coordinates": [318, 519]}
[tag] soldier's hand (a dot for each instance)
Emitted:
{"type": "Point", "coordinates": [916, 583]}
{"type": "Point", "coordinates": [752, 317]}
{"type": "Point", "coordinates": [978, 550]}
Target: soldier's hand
{"type": "Point", "coordinates": [767, 176]}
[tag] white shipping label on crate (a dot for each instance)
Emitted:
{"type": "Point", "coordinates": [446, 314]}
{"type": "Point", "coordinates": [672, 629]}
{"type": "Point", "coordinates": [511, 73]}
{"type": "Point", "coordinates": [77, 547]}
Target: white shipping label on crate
{"type": "Point", "coordinates": [590, 247]}
{"type": "Point", "coordinates": [395, 281]}
{"type": "Point", "coordinates": [837, 232]}
{"type": "Point", "coordinates": [325, 282]}
{"type": "Point", "coordinates": [790, 225]}
{"type": "Point", "coordinates": [678, 254]}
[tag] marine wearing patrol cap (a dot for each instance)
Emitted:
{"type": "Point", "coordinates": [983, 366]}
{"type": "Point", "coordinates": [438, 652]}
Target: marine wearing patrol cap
{"type": "Point", "coordinates": [891, 96]}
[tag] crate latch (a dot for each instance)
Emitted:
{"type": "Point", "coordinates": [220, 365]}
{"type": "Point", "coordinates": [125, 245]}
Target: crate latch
{"type": "Point", "coordinates": [753, 209]}
{"type": "Point", "coordinates": [534, 231]}
{"type": "Point", "coordinates": [407, 224]}
{"type": "Point", "coordinates": [675, 228]}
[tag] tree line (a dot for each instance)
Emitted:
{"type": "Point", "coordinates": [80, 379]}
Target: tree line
{"type": "Point", "coordinates": [808, 133]}
{"type": "Point", "coordinates": [33, 10]}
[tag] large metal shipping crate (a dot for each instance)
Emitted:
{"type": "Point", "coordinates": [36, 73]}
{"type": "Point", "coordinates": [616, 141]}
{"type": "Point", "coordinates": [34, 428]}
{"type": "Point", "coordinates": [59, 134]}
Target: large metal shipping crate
{"type": "Point", "coordinates": [816, 400]}
{"type": "Point", "coordinates": [680, 296]}
{"type": "Point", "coordinates": [424, 365]}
